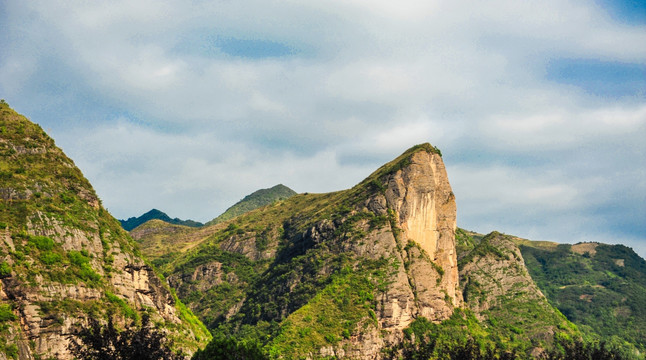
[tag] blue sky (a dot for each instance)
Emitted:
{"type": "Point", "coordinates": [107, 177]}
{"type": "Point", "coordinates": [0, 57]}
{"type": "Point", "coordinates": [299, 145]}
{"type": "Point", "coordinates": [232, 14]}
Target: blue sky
{"type": "Point", "coordinates": [539, 107]}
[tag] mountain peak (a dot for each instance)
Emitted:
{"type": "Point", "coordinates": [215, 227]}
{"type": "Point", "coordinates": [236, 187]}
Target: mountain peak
{"type": "Point", "coordinates": [400, 162]}
{"type": "Point", "coordinates": [253, 201]}
{"type": "Point", "coordinates": [153, 214]}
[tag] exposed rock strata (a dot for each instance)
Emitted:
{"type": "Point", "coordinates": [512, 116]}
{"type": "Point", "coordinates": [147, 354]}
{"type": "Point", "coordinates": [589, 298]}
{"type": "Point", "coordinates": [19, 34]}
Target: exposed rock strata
{"type": "Point", "coordinates": [68, 258]}
{"type": "Point", "coordinates": [412, 196]}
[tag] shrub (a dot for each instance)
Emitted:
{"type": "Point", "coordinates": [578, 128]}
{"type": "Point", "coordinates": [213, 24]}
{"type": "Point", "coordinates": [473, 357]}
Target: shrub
{"type": "Point", "coordinates": [42, 243]}
{"type": "Point", "coordinates": [224, 347]}
{"type": "Point", "coordinates": [5, 270]}
{"type": "Point", "coordinates": [6, 314]}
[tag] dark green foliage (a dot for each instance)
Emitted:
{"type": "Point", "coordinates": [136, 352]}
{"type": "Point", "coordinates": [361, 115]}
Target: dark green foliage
{"type": "Point", "coordinates": [98, 342]}
{"type": "Point", "coordinates": [461, 337]}
{"type": "Point", "coordinates": [230, 348]}
{"type": "Point", "coordinates": [5, 270]}
{"type": "Point", "coordinates": [593, 290]}
{"type": "Point", "coordinates": [464, 241]}
{"type": "Point", "coordinates": [579, 350]}
{"type": "Point", "coordinates": [6, 314]}
{"type": "Point", "coordinates": [133, 222]}
{"type": "Point", "coordinates": [253, 201]}
{"type": "Point", "coordinates": [212, 304]}
{"type": "Point", "coordinates": [41, 242]}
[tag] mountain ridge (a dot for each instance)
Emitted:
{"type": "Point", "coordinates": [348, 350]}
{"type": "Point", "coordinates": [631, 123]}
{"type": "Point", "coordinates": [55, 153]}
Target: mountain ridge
{"type": "Point", "coordinates": [256, 199]}
{"type": "Point", "coordinates": [374, 259]}
{"type": "Point", "coordinates": [133, 222]}
{"type": "Point", "coordinates": [376, 271]}
{"type": "Point", "coordinates": [64, 258]}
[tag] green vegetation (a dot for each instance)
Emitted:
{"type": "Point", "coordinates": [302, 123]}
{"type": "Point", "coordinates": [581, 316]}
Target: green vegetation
{"type": "Point", "coordinates": [496, 284]}
{"type": "Point", "coordinates": [344, 308]}
{"type": "Point", "coordinates": [56, 264]}
{"type": "Point", "coordinates": [601, 288]}
{"type": "Point", "coordinates": [253, 201]}
{"type": "Point", "coordinates": [7, 316]}
{"type": "Point", "coordinates": [5, 270]}
{"type": "Point", "coordinates": [223, 347]}
{"type": "Point", "coordinates": [463, 337]}
{"type": "Point", "coordinates": [482, 248]}
{"type": "Point", "coordinates": [127, 311]}
{"type": "Point", "coordinates": [57, 235]}
{"type": "Point", "coordinates": [6, 313]}
{"type": "Point", "coordinates": [133, 222]}
{"type": "Point", "coordinates": [212, 304]}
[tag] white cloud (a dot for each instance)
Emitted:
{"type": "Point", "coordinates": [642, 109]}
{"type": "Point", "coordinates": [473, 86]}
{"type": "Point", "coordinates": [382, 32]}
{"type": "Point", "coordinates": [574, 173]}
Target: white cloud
{"type": "Point", "coordinates": [141, 95]}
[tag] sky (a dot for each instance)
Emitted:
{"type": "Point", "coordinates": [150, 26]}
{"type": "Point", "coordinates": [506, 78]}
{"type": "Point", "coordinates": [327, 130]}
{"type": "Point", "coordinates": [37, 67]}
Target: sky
{"type": "Point", "coordinates": [538, 106]}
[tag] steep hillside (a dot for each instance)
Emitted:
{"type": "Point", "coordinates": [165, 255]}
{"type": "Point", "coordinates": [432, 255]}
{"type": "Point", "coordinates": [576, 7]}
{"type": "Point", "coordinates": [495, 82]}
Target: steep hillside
{"type": "Point", "coordinates": [338, 274]}
{"type": "Point", "coordinates": [153, 214]}
{"type": "Point", "coordinates": [63, 257]}
{"type": "Point", "coordinates": [601, 288]}
{"type": "Point", "coordinates": [253, 201]}
{"type": "Point", "coordinates": [160, 241]}
{"type": "Point", "coordinates": [497, 287]}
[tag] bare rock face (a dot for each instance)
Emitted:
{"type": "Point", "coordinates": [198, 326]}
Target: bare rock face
{"type": "Point", "coordinates": [423, 201]}
{"type": "Point", "coordinates": [64, 257]}
{"type": "Point", "coordinates": [497, 287]}
{"type": "Point", "coordinates": [421, 236]}
{"type": "Point", "coordinates": [498, 270]}
{"type": "Point", "coordinates": [401, 220]}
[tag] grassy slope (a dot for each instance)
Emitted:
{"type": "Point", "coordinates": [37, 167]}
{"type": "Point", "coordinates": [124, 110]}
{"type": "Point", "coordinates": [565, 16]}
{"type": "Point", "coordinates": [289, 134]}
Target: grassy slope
{"type": "Point", "coordinates": [514, 313]}
{"type": "Point", "coordinates": [253, 201]}
{"type": "Point", "coordinates": [160, 241]}
{"type": "Point", "coordinates": [39, 182]}
{"type": "Point", "coordinates": [603, 290]}
{"type": "Point", "coordinates": [304, 296]}
{"type": "Point", "coordinates": [604, 299]}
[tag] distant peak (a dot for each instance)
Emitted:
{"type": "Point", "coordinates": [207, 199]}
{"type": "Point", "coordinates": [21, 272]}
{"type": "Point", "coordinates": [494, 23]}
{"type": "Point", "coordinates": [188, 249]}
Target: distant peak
{"type": "Point", "coordinates": [255, 200]}
{"type": "Point", "coordinates": [134, 222]}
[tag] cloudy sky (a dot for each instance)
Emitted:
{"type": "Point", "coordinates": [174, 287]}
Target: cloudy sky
{"type": "Point", "coordinates": [539, 107]}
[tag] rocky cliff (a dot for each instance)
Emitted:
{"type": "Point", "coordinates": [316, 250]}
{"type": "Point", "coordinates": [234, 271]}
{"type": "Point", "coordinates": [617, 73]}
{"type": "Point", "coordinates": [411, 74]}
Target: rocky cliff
{"type": "Point", "coordinates": [63, 257]}
{"type": "Point", "coordinates": [499, 290]}
{"type": "Point", "coordinates": [339, 274]}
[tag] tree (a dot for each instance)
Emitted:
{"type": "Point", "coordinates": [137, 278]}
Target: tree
{"type": "Point", "coordinates": [98, 342]}
{"type": "Point", "coordinates": [228, 348]}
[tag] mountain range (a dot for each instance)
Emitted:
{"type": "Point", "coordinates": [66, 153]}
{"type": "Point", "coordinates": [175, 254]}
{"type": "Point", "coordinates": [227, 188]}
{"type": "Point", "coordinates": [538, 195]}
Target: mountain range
{"type": "Point", "coordinates": [250, 202]}
{"type": "Point", "coordinates": [377, 271]}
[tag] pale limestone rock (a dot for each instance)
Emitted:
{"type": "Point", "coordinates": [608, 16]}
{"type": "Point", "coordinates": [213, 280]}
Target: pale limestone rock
{"type": "Point", "coordinates": [131, 279]}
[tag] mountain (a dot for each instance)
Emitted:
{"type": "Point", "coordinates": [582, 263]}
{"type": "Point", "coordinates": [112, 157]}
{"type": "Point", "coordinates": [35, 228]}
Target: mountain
{"type": "Point", "coordinates": [133, 222]}
{"type": "Point", "coordinates": [378, 271]}
{"type": "Point", "coordinates": [160, 240]}
{"type": "Point", "coordinates": [599, 287]}
{"type": "Point", "coordinates": [497, 286]}
{"type": "Point", "coordinates": [353, 273]}
{"type": "Point", "coordinates": [64, 259]}
{"type": "Point", "coordinates": [253, 201]}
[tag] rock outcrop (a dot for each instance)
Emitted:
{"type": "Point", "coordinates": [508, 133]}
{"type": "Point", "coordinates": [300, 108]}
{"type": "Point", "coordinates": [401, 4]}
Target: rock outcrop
{"type": "Point", "coordinates": [64, 257]}
{"type": "Point", "coordinates": [400, 221]}
{"type": "Point", "coordinates": [498, 288]}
